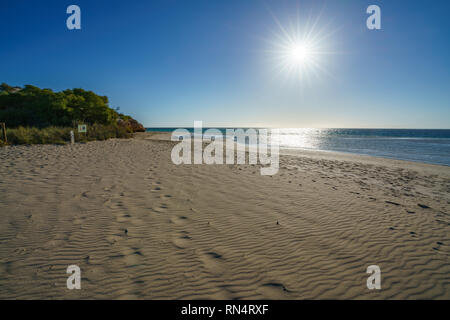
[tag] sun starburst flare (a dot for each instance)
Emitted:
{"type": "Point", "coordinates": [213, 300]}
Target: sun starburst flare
{"type": "Point", "coordinates": [302, 50]}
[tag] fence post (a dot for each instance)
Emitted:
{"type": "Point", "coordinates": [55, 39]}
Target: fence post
{"type": "Point", "coordinates": [5, 137]}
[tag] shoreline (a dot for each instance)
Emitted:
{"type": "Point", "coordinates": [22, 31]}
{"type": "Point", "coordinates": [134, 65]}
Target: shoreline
{"type": "Point", "coordinates": [328, 154]}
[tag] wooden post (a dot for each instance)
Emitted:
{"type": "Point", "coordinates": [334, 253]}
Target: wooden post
{"type": "Point", "coordinates": [5, 137]}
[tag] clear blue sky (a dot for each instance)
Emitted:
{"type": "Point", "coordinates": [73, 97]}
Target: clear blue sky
{"type": "Point", "coordinates": [168, 63]}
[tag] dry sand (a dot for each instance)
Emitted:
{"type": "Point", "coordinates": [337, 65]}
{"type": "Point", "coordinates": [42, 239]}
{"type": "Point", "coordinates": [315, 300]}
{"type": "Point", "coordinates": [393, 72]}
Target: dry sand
{"type": "Point", "coordinates": [140, 227]}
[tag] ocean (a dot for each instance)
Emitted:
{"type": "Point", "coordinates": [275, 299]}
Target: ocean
{"type": "Point", "coordinates": [422, 145]}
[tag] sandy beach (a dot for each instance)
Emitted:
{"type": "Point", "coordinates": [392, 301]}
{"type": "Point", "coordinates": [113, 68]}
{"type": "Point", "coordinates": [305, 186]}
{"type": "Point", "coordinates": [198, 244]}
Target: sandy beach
{"type": "Point", "coordinates": [141, 227]}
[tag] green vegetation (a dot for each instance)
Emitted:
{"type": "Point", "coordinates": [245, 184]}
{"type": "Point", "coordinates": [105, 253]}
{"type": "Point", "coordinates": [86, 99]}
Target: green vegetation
{"type": "Point", "coordinates": [22, 135]}
{"type": "Point", "coordinates": [61, 135]}
{"type": "Point", "coordinates": [33, 115]}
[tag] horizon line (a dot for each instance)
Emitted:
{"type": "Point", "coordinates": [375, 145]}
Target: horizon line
{"type": "Point", "coordinates": [272, 127]}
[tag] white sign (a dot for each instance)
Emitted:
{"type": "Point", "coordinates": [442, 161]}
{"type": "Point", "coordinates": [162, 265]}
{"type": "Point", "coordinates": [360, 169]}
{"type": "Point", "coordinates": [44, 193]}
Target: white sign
{"type": "Point", "coordinates": [82, 128]}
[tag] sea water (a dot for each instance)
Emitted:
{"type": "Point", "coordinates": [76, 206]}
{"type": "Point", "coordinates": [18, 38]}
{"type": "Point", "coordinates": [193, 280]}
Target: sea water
{"type": "Point", "coordinates": [423, 145]}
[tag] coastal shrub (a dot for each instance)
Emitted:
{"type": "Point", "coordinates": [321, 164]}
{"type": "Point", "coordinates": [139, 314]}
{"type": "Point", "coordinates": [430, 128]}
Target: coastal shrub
{"type": "Point", "coordinates": [104, 132]}
{"type": "Point", "coordinates": [31, 106]}
{"type": "Point", "coordinates": [37, 116]}
{"type": "Point", "coordinates": [61, 135]}
{"type": "Point", "coordinates": [27, 135]}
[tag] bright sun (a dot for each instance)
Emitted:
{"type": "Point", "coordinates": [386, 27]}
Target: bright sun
{"type": "Point", "coordinates": [300, 59]}
{"type": "Point", "coordinates": [300, 51]}
{"type": "Point", "coordinates": [300, 54]}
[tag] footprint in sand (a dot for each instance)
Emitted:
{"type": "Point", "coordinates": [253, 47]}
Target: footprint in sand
{"type": "Point", "coordinates": [114, 205]}
{"type": "Point", "coordinates": [113, 239]}
{"type": "Point", "coordinates": [161, 208]}
{"type": "Point", "coordinates": [273, 290]}
{"type": "Point", "coordinates": [156, 189]}
{"type": "Point", "coordinates": [392, 202]}
{"type": "Point", "coordinates": [439, 244]}
{"type": "Point", "coordinates": [130, 256]}
{"type": "Point", "coordinates": [179, 220]}
{"type": "Point", "coordinates": [123, 217]}
{"type": "Point", "coordinates": [213, 261]}
{"type": "Point", "coordinates": [133, 258]}
{"type": "Point", "coordinates": [183, 241]}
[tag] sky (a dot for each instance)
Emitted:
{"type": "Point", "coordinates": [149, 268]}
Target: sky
{"type": "Point", "coordinates": [168, 63]}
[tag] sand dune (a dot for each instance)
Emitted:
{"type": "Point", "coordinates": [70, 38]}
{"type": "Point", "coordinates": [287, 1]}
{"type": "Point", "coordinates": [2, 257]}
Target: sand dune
{"type": "Point", "coordinates": [141, 227]}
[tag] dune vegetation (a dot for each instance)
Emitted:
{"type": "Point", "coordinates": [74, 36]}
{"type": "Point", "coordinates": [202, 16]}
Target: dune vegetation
{"type": "Point", "coordinates": [40, 116]}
